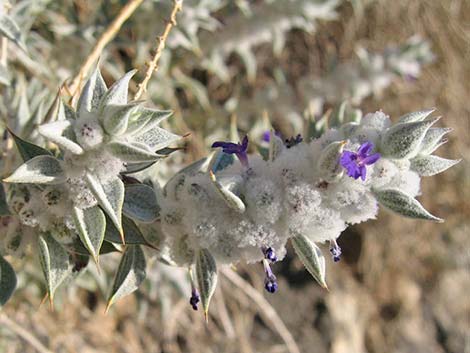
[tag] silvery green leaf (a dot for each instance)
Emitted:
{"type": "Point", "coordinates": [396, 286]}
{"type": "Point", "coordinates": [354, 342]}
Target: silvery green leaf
{"type": "Point", "coordinates": [132, 233]}
{"type": "Point", "coordinates": [94, 90]}
{"type": "Point", "coordinates": [403, 204]}
{"type": "Point", "coordinates": [28, 150]}
{"type": "Point", "coordinates": [433, 139]}
{"type": "Point", "coordinates": [431, 165]}
{"type": "Point", "coordinates": [404, 139]}
{"type": "Point", "coordinates": [328, 162]}
{"type": "Point", "coordinates": [59, 132]}
{"type": "Point", "coordinates": [130, 274]}
{"type": "Point", "coordinates": [416, 116]}
{"type": "Point", "coordinates": [220, 160]}
{"type": "Point", "coordinates": [5, 77]}
{"type": "Point", "coordinates": [90, 224]}
{"type": "Point", "coordinates": [140, 203]}
{"type": "Point", "coordinates": [276, 146]}
{"type": "Point", "coordinates": [55, 262]}
{"type": "Point", "coordinates": [311, 256]}
{"type": "Point", "coordinates": [117, 93]}
{"type": "Point", "coordinates": [110, 196]}
{"type": "Point", "coordinates": [137, 167]}
{"type": "Point", "coordinates": [7, 281]}
{"type": "Point", "coordinates": [146, 118]}
{"type": "Point", "coordinates": [132, 152]}
{"type": "Point", "coordinates": [226, 191]}
{"type": "Point", "coordinates": [206, 273]}
{"type": "Point", "coordinates": [69, 113]}
{"type": "Point", "coordinates": [249, 60]}
{"type": "Point", "coordinates": [23, 113]}
{"type": "Point", "coordinates": [339, 114]}
{"type": "Point", "coordinates": [156, 138]}
{"type": "Point", "coordinates": [193, 87]}
{"type": "Point", "coordinates": [39, 170]}
{"type": "Point", "coordinates": [77, 247]}
{"type": "Point", "coordinates": [116, 118]}
{"type": "Point", "coordinates": [10, 29]}
{"type": "Point", "coordinates": [4, 209]}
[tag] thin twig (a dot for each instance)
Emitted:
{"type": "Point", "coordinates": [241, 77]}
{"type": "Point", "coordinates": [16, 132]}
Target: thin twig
{"type": "Point", "coordinates": [105, 38]}
{"type": "Point", "coordinates": [152, 66]}
{"type": "Point", "coordinates": [25, 335]}
{"type": "Point", "coordinates": [266, 309]}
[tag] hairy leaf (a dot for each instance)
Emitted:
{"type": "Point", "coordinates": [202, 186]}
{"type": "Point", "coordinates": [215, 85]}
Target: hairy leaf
{"type": "Point", "coordinates": [311, 256]}
{"type": "Point", "coordinates": [55, 262]}
{"type": "Point", "coordinates": [59, 132]}
{"type": "Point", "coordinates": [403, 204]}
{"type": "Point", "coordinates": [91, 225]}
{"type": "Point", "coordinates": [7, 281]}
{"type": "Point", "coordinates": [130, 274]}
{"type": "Point", "coordinates": [110, 197]}
{"type": "Point", "coordinates": [27, 149]}
{"type": "Point", "coordinates": [134, 153]}
{"type": "Point", "coordinates": [431, 165]}
{"type": "Point", "coordinates": [403, 140]}
{"type": "Point", "coordinates": [206, 273]}
{"type": "Point", "coordinates": [39, 170]}
{"type": "Point", "coordinates": [117, 93]}
{"type": "Point", "coordinates": [140, 203]}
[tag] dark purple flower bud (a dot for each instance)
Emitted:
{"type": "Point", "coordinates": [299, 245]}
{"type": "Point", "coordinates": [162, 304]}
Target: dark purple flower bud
{"type": "Point", "coordinates": [293, 141]}
{"type": "Point", "coordinates": [335, 251]}
{"type": "Point", "coordinates": [270, 282]}
{"type": "Point", "coordinates": [195, 298]}
{"type": "Point", "coordinates": [355, 162]}
{"type": "Point", "coordinates": [239, 149]}
{"type": "Point", "coordinates": [270, 285]}
{"type": "Point", "coordinates": [269, 254]}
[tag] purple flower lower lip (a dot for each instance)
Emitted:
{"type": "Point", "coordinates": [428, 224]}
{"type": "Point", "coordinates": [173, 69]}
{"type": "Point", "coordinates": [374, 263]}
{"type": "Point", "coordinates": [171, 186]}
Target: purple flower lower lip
{"type": "Point", "coordinates": [267, 135]}
{"type": "Point", "coordinates": [239, 149]}
{"type": "Point", "coordinates": [194, 300]}
{"type": "Point", "coordinates": [355, 162]}
{"type": "Point", "coordinates": [335, 251]}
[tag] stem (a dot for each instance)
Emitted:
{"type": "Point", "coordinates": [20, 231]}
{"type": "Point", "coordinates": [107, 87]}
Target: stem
{"type": "Point", "coordinates": [105, 38]}
{"type": "Point", "coordinates": [25, 335]}
{"type": "Point", "coordinates": [152, 66]}
{"type": "Point", "coordinates": [267, 311]}
{"type": "Point", "coordinates": [4, 57]}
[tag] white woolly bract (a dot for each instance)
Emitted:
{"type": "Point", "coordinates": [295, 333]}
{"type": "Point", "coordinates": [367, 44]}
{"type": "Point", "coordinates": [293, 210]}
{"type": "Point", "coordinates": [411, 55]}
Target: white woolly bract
{"type": "Point", "coordinates": [283, 198]}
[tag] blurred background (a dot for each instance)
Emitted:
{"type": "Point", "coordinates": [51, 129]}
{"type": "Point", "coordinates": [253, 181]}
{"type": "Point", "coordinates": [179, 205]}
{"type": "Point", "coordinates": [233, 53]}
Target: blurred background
{"type": "Point", "coordinates": [402, 286]}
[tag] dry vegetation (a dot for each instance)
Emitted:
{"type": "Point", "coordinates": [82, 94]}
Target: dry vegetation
{"type": "Point", "coordinates": [403, 285]}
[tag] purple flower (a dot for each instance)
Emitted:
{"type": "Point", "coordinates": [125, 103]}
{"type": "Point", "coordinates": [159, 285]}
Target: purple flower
{"type": "Point", "coordinates": [269, 254]}
{"type": "Point", "coordinates": [293, 141]}
{"type": "Point", "coordinates": [270, 282]}
{"type": "Point", "coordinates": [355, 162]}
{"type": "Point", "coordinates": [239, 149]}
{"type": "Point", "coordinates": [267, 135]}
{"type": "Point", "coordinates": [335, 251]}
{"type": "Point", "coordinates": [194, 300]}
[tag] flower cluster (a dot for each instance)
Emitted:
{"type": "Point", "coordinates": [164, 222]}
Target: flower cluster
{"type": "Point", "coordinates": [105, 136]}
{"type": "Point", "coordinates": [308, 192]}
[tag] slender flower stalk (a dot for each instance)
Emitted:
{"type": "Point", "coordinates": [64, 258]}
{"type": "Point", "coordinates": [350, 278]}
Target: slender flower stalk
{"type": "Point", "coordinates": [270, 281]}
